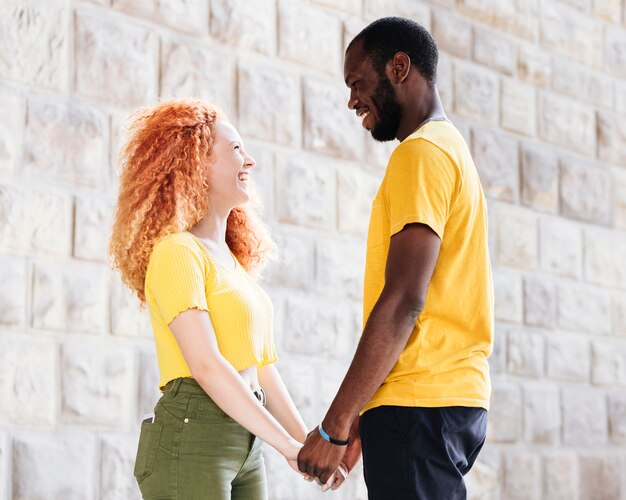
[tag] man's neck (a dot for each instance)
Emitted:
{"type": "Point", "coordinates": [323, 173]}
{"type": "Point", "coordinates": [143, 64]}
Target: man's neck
{"type": "Point", "coordinates": [420, 112]}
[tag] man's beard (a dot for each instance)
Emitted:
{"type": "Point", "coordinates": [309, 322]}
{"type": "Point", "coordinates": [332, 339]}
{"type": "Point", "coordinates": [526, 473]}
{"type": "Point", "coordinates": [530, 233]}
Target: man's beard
{"type": "Point", "coordinates": [388, 110]}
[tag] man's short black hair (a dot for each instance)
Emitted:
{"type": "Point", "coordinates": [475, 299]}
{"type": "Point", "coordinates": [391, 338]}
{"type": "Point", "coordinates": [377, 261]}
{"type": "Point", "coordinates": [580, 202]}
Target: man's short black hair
{"type": "Point", "coordinates": [383, 38]}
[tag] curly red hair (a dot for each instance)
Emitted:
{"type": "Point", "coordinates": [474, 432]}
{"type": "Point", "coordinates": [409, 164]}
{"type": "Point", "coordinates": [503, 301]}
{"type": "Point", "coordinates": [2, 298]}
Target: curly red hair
{"type": "Point", "coordinates": [163, 190]}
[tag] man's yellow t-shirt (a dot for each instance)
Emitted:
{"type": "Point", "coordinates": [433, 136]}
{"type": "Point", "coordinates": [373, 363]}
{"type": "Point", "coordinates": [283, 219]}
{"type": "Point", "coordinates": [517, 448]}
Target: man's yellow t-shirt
{"type": "Point", "coordinates": [431, 179]}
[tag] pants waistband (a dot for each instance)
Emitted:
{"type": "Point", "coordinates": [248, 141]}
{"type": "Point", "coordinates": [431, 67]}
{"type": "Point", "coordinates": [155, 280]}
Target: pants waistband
{"type": "Point", "coordinates": [189, 385]}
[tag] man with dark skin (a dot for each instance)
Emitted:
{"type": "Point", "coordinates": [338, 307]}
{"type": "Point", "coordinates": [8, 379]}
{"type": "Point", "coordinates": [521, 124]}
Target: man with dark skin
{"type": "Point", "coordinates": [395, 95]}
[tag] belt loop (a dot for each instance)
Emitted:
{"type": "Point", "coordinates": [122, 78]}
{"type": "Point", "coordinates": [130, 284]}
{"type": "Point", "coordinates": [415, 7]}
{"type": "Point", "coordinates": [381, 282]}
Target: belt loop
{"type": "Point", "coordinates": [175, 386]}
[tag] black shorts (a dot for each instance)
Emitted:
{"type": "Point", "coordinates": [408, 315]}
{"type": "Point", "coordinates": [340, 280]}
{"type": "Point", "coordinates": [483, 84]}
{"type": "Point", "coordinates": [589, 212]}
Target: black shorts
{"type": "Point", "coordinates": [420, 453]}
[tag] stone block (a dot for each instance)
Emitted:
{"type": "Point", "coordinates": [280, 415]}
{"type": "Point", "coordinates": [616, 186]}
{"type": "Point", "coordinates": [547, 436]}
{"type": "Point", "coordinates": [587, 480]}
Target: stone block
{"type": "Point", "coordinates": [37, 222]}
{"type": "Point", "coordinates": [581, 5]}
{"type": "Point", "coordinates": [326, 328]}
{"type": "Point", "coordinates": [570, 33]}
{"type": "Point", "coordinates": [14, 276]}
{"type": "Point", "coordinates": [355, 192]}
{"type": "Point", "coordinates": [584, 417]}
{"type": "Point", "coordinates": [263, 178]}
{"type": "Point", "coordinates": [518, 110]}
{"type": "Point", "coordinates": [28, 382]}
{"type": "Point", "coordinates": [418, 11]}
{"type": "Point", "coordinates": [534, 65]}
{"type": "Point", "coordinates": [244, 24]}
{"type": "Point", "coordinates": [560, 476]}
{"type": "Point", "coordinates": [620, 97]}
{"type": "Point", "coordinates": [522, 476]}
{"type": "Point", "coordinates": [542, 414]}
{"type": "Point", "coordinates": [604, 257]}
{"type": "Point", "coordinates": [619, 315]}
{"type": "Point", "coordinates": [191, 16]}
{"type": "Point", "coordinates": [269, 104]}
{"type": "Point", "coordinates": [69, 297]}
{"type": "Point", "coordinates": [525, 354]}
{"type": "Point", "coordinates": [65, 142]}
{"type": "Point", "coordinates": [476, 93]}
{"type": "Point", "coordinates": [190, 70]}
{"type": "Point", "coordinates": [309, 35]}
{"type": "Point", "coordinates": [497, 358]}
{"type": "Point", "coordinates": [600, 476]}
{"type": "Point", "coordinates": [568, 359]}
{"type": "Point", "coordinates": [608, 363]}
{"type": "Point", "coordinates": [580, 83]}
{"type": "Point", "coordinates": [517, 17]}
{"type": "Point", "coordinates": [452, 33]}
{"type": "Point", "coordinates": [585, 191]}
{"type": "Point", "coordinates": [611, 138]}
{"type": "Point", "coordinates": [540, 178]}
{"type": "Point", "coordinates": [609, 10]}
{"type": "Point", "coordinates": [86, 398]}
{"type": "Point", "coordinates": [508, 296]}
{"type": "Point", "coordinates": [483, 480]}
{"type": "Point", "coordinates": [329, 126]}
{"type": "Point", "coordinates": [132, 59]}
{"type": "Point", "coordinates": [617, 416]}
{"type": "Point", "coordinates": [516, 234]}
{"type": "Point", "coordinates": [339, 266]}
{"type": "Point", "coordinates": [61, 461]}
{"type": "Point", "coordinates": [91, 227]}
{"type": "Point", "coordinates": [128, 317]}
{"type": "Point", "coordinates": [539, 302]}
{"type": "Point", "coordinates": [494, 50]}
{"type": "Point", "coordinates": [445, 82]}
{"type": "Point", "coordinates": [4, 466]}
{"type": "Point", "coordinates": [295, 266]}
{"type": "Point", "coordinates": [308, 190]}
{"type": "Point", "coordinates": [564, 122]}
{"type": "Point", "coordinates": [34, 42]}
{"type": "Point", "coordinates": [149, 393]}
{"type": "Point", "coordinates": [560, 247]}
{"type": "Point", "coordinates": [505, 414]}
{"type": "Point", "coordinates": [615, 51]}
{"type": "Point", "coordinates": [378, 154]}
{"type": "Point", "coordinates": [619, 201]}
{"type": "Point", "coordinates": [583, 308]}
{"type": "Point", "coordinates": [497, 159]}
{"type": "Point", "coordinates": [352, 6]}
{"type": "Point", "coordinates": [11, 129]}
{"type": "Point", "coordinates": [117, 461]}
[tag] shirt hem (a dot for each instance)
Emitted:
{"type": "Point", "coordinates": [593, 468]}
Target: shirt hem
{"type": "Point", "coordinates": [426, 403]}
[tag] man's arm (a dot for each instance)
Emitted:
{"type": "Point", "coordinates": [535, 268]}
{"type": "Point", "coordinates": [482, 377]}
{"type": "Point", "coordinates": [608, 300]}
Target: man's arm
{"type": "Point", "coordinates": [413, 253]}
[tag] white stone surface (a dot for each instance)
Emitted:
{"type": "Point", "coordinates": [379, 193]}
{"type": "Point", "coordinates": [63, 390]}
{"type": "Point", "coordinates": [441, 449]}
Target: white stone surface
{"type": "Point", "coordinates": [13, 288]}
{"type": "Point", "coordinates": [190, 70]}
{"type": "Point", "coordinates": [339, 266]}
{"type": "Point", "coordinates": [355, 192]}
{"type": "Point", "coordinates": [540, 178]}
{"type": "Point", "coordinates": [497, 160]}
{"type": "Point", "coordinates": [48, 457]}
{"type": "Point", "coordinates": [309, 36]}
{"type": "Point", "coordinates": [508, 296]}
{"type": "Point", "coordinates": [522, 476]}
{"type": "Point", "coordinates": [604, 257]}
{"type": "Point", "coordinates": [516, 237]}
{"type": "Point", "coordinates": [69, 297]}
{"type": "Point", "coordinates": [601, 476]}
{"type": "Point", "coordinates": [132, 59]}
{"type": "Point", "coordinates": [568, 359]}
{"type": "Point", "coordinates": [11, 128]}
{"type": "Point", "coordinates": [184, 15]}
{"type": "Point", "coordinates": [28, 382]}
{"type": "Point", "coordinates": [245, 24]}
{"type": "Point", "coordinates": [65, 142]}
{"type": "Point", "coordinates": [561, 247]}
{"type": "Point", "coordinates": [116, 468]}
{"type": "Point", "coordinates": [518, 17]}
{"type": "Point", "coordinates": [585, 191]}
{"type": "Point", "coordinates": [525, 354]}
{"type": "Point", "coordinates": [92, 227]}
{"type": "Point", "coordinates": [476, 94]}
{"type": "Point", "coordinates": [418, 11]}
{"type": "Point", "coordinates": [128, 318]}
{"type": "Point", "coordinates": [561, 473]}
{"type": "Point", "coordinates": [98, 386]}
{"type": "Point", "coordinates": [295, 265]}
{"type": "Point", "coordinates": [542, 414]}
{"type": "Point", "coordinates": [608, 363]}
{"type": "Point", "coordinates": [494, 50]}
{"type": "Point", "coordinates": [584, 417]}
{"type": "Point", "coordinates": [34, 43]}
{"type": "Point", "coordinates": [518, 111]}
{"type": "Point", "coordinates": [583, 308]}
{"type": "Point", "coordinates": [505, 414]}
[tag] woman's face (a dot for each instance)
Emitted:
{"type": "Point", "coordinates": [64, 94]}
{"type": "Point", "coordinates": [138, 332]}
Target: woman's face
{"type": "Point", "coordinates": [229, 171]}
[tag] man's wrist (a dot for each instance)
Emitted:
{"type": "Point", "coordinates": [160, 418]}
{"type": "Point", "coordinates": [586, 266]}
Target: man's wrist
{"type": "Point", "coordinates": [337, 427]}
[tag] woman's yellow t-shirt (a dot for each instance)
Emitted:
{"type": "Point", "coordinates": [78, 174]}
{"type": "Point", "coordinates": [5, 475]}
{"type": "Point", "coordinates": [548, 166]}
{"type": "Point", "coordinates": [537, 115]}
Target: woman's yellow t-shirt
{"type": "Point", "coordinates": [183, 275]}
{"type": "Point", "coordinates": [431, 179]}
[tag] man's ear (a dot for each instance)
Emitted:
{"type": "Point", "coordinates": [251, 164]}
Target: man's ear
{"type": "Point", "coordinates": [401, 65]}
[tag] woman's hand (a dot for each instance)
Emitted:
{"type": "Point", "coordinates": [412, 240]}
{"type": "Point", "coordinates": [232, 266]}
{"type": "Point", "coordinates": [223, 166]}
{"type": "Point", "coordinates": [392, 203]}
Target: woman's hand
{"type": "Point", "coordinates": [290, 452]}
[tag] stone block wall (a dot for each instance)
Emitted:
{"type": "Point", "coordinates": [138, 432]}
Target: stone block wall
{"type": "Point", "coordinates": [538, 89]}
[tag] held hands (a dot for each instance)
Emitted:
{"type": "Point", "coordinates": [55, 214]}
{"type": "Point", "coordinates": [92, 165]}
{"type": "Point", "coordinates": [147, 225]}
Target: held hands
{"type": "Point", "coordinates": [329, 463]}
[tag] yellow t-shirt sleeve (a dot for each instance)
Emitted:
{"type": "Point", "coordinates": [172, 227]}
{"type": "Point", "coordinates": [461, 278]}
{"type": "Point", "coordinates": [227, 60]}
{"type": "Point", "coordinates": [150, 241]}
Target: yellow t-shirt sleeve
{"type": "Point", "coordinates": [421, 185]}
{"type": "Point", "coordinates": [175, 279]}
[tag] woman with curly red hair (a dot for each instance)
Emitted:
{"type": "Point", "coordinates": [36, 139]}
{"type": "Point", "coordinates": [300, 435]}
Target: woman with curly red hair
{"type": "Point", "coordinates": [187, 241]}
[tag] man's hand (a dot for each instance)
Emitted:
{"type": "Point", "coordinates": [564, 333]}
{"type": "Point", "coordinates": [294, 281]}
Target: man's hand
{"type": "Point", "coordinates": [318, 458]}
{"type": "Point", "coordinates": [352, 455]}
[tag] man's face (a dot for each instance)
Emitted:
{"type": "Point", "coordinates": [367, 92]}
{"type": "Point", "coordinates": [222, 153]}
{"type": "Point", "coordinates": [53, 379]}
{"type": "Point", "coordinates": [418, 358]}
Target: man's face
{"type": "Point", "coordinates": [371, 95]}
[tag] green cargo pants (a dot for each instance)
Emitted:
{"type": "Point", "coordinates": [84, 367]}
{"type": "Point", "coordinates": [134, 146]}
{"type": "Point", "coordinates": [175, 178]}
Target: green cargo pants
{"type": "Point", "coordinates": [194, 451]}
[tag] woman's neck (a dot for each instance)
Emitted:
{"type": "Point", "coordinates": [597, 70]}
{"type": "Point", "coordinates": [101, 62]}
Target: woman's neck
{"type": "Point", "coordinates": [212, 228]}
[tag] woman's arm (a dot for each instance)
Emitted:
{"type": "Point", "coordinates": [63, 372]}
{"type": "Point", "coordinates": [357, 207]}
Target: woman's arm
{"type": "Point", "coordinates": [196, 337]}
{"type": "Point", "coordinates": [280, 404]}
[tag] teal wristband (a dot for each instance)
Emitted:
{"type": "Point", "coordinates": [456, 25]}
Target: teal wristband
{"type": "Point", "coordinates": [326, 437]}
